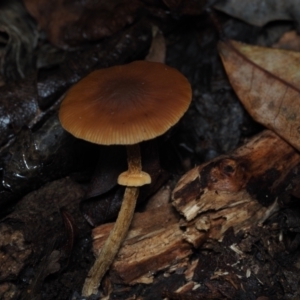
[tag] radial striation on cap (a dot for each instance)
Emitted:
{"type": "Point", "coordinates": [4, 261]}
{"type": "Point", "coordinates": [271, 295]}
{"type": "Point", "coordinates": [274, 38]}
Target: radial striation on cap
{"type": "Point", "coordinates": [126, 104]}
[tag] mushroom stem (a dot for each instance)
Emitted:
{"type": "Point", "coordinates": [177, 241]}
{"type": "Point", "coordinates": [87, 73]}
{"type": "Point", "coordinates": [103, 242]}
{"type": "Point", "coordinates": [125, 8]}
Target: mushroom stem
{"type": "Point", "coordinates": [134, 159]}
{"type": "Point", "coordinates": [119, 232]}
{"type": "Point", "coordinates": [134, 176]}
{"type": "Point", "coordinates": [112, 244]}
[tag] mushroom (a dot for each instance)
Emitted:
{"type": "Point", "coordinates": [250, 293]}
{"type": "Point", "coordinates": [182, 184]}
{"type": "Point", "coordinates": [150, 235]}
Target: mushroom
{"type": "Point", "coordinates": [124, 105]}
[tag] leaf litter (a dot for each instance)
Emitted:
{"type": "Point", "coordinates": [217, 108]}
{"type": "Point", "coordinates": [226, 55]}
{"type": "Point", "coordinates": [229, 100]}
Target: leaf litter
{"type": "Point", "coordinates": [267, 82]}
{"type": "Point", "coordinates": [259, 13]}
{"type": "Point", "coordinates": [215, 124]}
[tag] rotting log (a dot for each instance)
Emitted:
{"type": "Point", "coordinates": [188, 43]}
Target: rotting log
{"type": "Point", "coordinates": [238, 191]}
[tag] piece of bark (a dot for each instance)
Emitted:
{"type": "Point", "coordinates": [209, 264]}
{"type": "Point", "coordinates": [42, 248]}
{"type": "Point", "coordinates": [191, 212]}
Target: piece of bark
{"type": "Point", "coordinates": [8, 291]}
{"type": "Point", "coordinates": [14, 251]}
{"type": "Point", "coordinates": [154, 243]}
{"type": "Point", "coordinates": [236, 191]}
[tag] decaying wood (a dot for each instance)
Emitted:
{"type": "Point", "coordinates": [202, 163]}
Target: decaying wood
{"type": "Point", "coordinates": [154, 242]}
{"type": "Point", "coordinates": [237, 191]}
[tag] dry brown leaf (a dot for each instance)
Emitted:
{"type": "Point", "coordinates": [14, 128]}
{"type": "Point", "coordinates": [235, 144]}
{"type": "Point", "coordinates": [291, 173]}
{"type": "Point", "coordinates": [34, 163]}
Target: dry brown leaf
{"type": "Point", "coordinates": [267, 81]}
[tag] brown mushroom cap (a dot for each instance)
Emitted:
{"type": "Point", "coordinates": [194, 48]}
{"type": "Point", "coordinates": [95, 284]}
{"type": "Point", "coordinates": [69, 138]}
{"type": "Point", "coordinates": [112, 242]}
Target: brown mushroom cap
{"type": "Point", "coordinates": [126, 104]}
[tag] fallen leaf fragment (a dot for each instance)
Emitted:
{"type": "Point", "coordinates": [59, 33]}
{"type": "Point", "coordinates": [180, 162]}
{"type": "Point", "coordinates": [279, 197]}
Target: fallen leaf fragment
{"type": "Point", "coordinates": [157, 51]}
{"type": "Point", "coordinates": [259, 13]}
{"type": "Point", "coordinates": [290, 41]}
{"type": "Point", "coordinates": [267, 81]}
{"type": "Point", "coordinates": [68, 23]}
